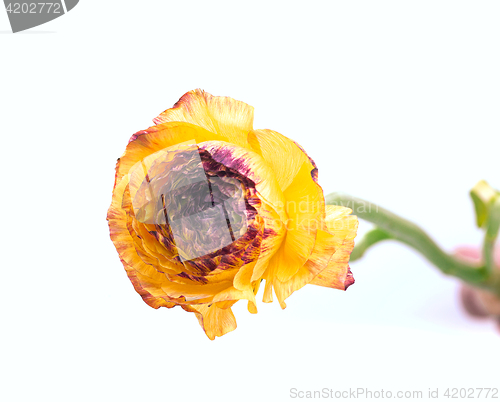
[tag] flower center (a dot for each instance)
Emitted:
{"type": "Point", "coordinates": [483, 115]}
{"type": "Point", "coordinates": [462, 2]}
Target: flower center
{"type": "Point", "coordinates": [198, 205]}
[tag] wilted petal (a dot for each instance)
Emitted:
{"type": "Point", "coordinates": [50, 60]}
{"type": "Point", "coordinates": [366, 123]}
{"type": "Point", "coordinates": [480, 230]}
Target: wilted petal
{"type": "Point", "coordinates": [214, 320]}
{"type": "Point", "coordinates": [225, 116]}
{"type": "Point", "coordinates": [158, 138]}
{"type": "Point", "coordinates": [337, 274]}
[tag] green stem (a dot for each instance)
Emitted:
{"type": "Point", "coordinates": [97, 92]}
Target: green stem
{"type": "Point", "coordinates": [369, 239]}
{"type": "Point", "coordinates": [492, 228]}
{"type": "Point", "coordinates": [391, 226]}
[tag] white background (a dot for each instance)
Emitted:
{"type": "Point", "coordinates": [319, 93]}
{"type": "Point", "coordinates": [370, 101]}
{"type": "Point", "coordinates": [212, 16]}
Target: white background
{"type": "Point", "coordinates": [397, 102]}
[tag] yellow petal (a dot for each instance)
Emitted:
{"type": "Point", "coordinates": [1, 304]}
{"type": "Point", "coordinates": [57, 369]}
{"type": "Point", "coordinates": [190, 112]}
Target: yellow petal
{"type": "Point", "coordinates": [274, 233]}
{"type": "Point", "coordinates": [324, 249]}
{"type": "Point", "coordinates": [242, 279]}
{"type": "Point", "coordinates": [226, 304]}
{"type": "Point", "coordinates": [157, 138]}
{"type": "Point", "coordinates": [248, 289]}
{"type": "Point", "coordinates": [225, 116]}
{"type": "Point", "coordinates": [252, 306]}
{"type": "Point", "coordinates": [122, 239]}
{"type": "Point", "coordinates": [305, 209]}
{"type": "Point", "coordinates": [328, 263]}
{"type": "Point", "coordinates": [268, 288]}
{"type": "Point", "coordinates": [334, 215]}
{"type": "Point", "coordinates": [143, 287]}
{"type": "Point", "coordinates": [281, 153]}
{"type": "Point", "coordinates": [337, 274]}
{"type": "Point", "coordinates": [232, 294]}
{"type": "Point", "coordinates": [214, 320]}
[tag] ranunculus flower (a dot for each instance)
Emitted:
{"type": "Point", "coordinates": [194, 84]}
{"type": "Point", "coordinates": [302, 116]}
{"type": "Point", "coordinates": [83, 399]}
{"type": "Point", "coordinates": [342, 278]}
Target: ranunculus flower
{"type": "Point", "coordinates": [204, 207]}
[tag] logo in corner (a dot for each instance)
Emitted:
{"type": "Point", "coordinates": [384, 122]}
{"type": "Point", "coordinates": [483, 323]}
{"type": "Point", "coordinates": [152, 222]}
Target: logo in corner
{"type": "Point", "coordinates": [28, 14]}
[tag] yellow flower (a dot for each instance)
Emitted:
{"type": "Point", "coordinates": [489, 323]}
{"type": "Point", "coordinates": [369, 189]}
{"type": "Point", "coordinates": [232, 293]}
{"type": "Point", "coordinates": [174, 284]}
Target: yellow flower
{"type": "Point", "coordinates": [204, 207]}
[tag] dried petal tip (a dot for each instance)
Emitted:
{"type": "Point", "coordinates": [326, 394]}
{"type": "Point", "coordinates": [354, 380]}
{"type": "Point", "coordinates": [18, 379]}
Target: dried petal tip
{"type": "Point", "coordinates": [349, 280]}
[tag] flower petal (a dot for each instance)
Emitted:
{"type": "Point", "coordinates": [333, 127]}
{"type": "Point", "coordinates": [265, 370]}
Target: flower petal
{"type": "Point", "coordinates": [337, 274]}
{"type": "Point", "coordinates": [225, 116]}
{"type": "Point", "coordinates": [157, 138]}
{"type": "Point", "coordinates": [305, 209]}
{"type": "Point", "coordinates": [328, 263]}
{"type": "Point", "coordinates": [324, 249]}
{"type": "Point", "coordinates": [214, 320]}
{"type": "Point", "coordinates": [281, 153]}
{"type": "Point", "coordinates": [274, 233]}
